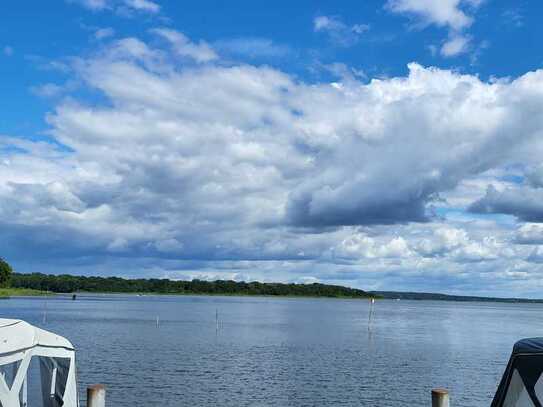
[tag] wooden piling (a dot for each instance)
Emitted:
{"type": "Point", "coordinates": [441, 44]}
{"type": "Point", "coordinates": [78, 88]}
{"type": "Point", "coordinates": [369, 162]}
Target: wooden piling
{"type": "Point", "coordinates": [96, 395]}
{"type": "Point", "coordinates": [440, 398]}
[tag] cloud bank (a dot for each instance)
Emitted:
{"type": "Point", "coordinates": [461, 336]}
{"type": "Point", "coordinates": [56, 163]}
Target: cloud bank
{"type": "Point", "coordinates": [190, 166]}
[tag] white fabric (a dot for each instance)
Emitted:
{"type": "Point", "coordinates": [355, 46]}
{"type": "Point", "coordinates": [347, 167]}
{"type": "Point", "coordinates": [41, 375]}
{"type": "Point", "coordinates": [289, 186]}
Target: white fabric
{"type": "Point", "coordinates": [19, 342]}
{"type": "Point", "coordinates": [17, 335]}
{"type": "Point", "coordinates": [539, 388]}
{"type": "Point", "coordinates": [517, 395]}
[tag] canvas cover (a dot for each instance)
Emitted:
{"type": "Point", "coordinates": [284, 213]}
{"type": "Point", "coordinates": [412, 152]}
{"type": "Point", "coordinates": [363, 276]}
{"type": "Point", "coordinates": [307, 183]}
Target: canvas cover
{"type": "Point", "coordinates": [522, 381]}
{"type": "Point", "coordinates": [20, 343]}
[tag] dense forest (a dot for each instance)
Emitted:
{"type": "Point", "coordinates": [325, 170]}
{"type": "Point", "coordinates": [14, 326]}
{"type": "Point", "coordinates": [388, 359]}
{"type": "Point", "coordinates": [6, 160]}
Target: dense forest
{"type": "Point", "coordinates": [70, 284]}
{"type": "Point", "coordinates": [5, 273]}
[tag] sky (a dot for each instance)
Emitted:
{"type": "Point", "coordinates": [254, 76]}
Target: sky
{"type": "Point", "coordinates": [383, 145]}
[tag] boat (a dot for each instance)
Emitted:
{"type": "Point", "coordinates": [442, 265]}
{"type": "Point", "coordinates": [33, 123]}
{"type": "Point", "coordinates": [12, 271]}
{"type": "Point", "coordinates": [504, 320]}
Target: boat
{"type": "Point", "coordinates": [20, 343]}
{"type": "Point", "coordinates": [522, 381]}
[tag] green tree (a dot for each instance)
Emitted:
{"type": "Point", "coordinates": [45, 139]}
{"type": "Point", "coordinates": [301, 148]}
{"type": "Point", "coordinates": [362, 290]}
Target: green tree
{"type": "Point", "coordinates": [5, 273]}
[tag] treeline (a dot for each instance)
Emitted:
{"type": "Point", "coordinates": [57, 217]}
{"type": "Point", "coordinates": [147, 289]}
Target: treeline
{"type": "Point", "coordinates": [69, 284]}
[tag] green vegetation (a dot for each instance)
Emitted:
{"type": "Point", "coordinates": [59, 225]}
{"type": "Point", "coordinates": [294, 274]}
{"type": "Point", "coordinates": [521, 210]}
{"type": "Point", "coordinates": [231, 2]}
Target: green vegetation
{"type": "Point", "coordinates": [19, 292]}
{"type": "Point", "coordinates": [69, 284]}
{"type": "Point", "coordinates": [5, 273]}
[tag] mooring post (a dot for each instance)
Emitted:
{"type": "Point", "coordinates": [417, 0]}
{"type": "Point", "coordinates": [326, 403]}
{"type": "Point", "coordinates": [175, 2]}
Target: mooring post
{"type": "Point", "coordinates": [96, 395]}
{"type": "Point", "coordinates": [440, 398]}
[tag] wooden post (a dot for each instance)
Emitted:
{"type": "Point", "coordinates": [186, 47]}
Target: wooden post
{"type": "Point", "coordinates": [440, 398]}
{"type": "Point", "coordinates": [96, 395]}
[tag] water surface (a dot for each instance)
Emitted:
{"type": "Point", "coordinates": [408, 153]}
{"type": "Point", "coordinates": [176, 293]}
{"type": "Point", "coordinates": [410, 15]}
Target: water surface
{"type": "Point", "coordinates": [283, 351]}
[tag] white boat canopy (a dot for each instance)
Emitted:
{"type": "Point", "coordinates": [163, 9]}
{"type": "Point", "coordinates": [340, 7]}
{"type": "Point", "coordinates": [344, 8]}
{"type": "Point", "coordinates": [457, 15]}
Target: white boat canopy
{"type": "Point", "coordinates": [19, 343]}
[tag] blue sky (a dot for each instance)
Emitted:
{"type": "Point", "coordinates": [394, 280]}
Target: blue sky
{"type": "Point", "coordinates": [505, 40]}
{"type": "Point", "coordinates": [381, 144]}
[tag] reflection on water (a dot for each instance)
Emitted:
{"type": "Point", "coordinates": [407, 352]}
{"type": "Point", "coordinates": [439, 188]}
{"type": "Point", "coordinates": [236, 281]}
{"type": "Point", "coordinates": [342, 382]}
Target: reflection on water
{"type": "Point", "coordinates": [284, 352]}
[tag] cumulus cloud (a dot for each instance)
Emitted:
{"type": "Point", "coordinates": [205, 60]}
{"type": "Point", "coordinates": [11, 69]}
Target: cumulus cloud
{"type": "Point", "coordinates": [200, 52]}
{"type": "Point", "coordinates": [143, 5]}
{"type": "Point", "coordinates": [360, 245]}
{"type": "Point", "coordinates": [457, 245]}
{"type": "Point", "coordinates": [523, 202]}
{"type": "Point", "coordinates": [339, 33]}
{"type": "Point", "coordinates": [536, 256]}
{"type": "Point", "coordinates": [529, 233]}
{"type": "Point", "coordinates": [200, 168]}
{"type": "Point", "coordinates": [123, 7]}
{"type": "Point", "coordinates": [451, 14]}
{"type": "Point", "coordinates": [456, 45]}
{"type": "Point", "coordinates": [445, 13]}
{"type": "Point", "coordinates": [442, 241]}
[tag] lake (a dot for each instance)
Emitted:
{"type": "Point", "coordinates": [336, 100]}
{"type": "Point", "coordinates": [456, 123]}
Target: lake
{"type": "Point", "coordinates": [283, 351]}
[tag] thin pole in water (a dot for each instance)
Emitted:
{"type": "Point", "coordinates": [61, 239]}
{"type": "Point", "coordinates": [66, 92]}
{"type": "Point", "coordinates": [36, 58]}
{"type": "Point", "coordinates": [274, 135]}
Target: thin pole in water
{"type": "Point", "coordinates": [216, 319]}
{"type": "Point", "coordinates": [157, 321]}
{"type": "Point", "coordinates": [45, 309]}
{"type": "Point", "coordinates": [370, 313]}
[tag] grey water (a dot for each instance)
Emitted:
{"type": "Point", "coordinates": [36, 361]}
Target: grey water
{"type": "Point", "coordinates": [283, 351]}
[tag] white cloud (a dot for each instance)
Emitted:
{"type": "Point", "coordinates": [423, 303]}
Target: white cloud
{"type": "Point", "coordinates": [47, 90]}
{"type": "Point", "coordinates": [343, 71]}
{"type": "Point", "coordinates": [361, 245]}
{"type": "Point", "coordinates": [536, 256]}
{"type": "Point", "coordinates": [450, 14]}
{"type": "Point", "coordinates": [103, 33]}
{"type": "Point", "coordinates": [529, 233]}
{"type": "Point", "coordinates": [200, 52]}
{"type": "Point", "coordinates": [444, 13]}
{"type": "Point", "coordinates": [122, 7]}
{"type": "Point", "coordinates": [143, 5]}
{"type": "Point", "coordinates": [339, 32]}
{"type": "Point", "coordinates": [443, 241]}
{"type": "Point", "coordinates": [487, 249]}
{"type": "Point", "coordinates": [456, 45]}
{"type": "Point", "coordinates": [227, 169]}
{"type": "Point", "coordinates": [95, 5]}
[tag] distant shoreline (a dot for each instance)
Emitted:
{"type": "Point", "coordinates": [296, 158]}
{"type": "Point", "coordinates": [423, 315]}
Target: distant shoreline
{"type": "Point", "coordinates": [418, 296]}
{"type": "Point", "coordinates": [149, 294]}
{"type": "Point", "coordinates": [7, 293]}
{"type": "Point", "coordinates": [36, 284]}
{"type": "Point", "coordinates": [73, 284]}
{"type": "Point", "coordinates": [379, 295]}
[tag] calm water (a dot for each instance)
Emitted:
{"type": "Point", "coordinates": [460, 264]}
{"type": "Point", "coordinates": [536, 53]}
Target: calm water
{"type": "Point", "coordinates": [284, 352]}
